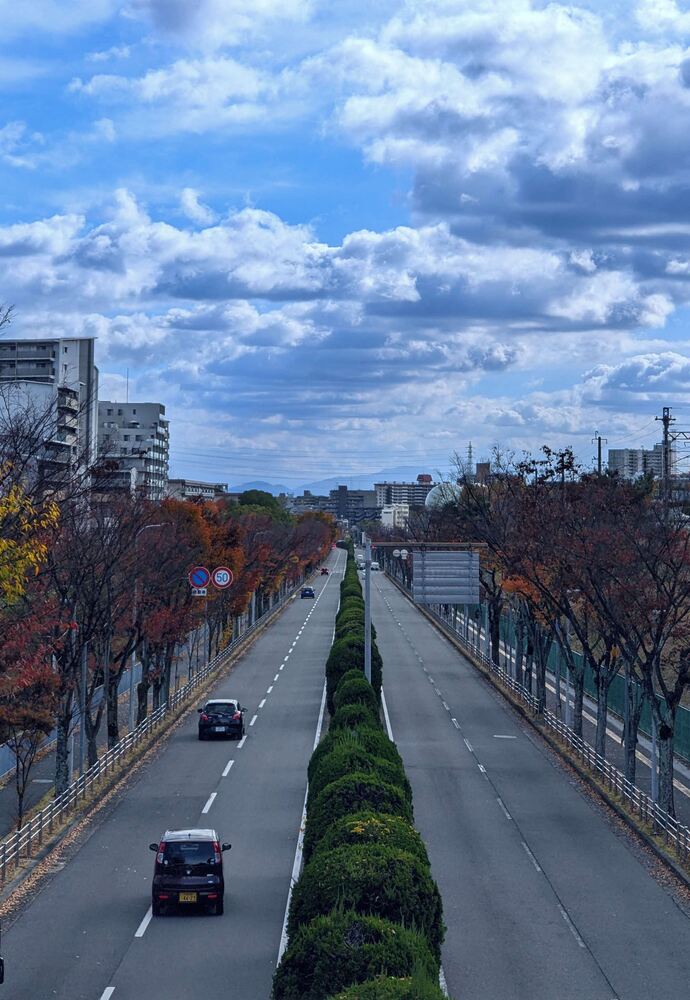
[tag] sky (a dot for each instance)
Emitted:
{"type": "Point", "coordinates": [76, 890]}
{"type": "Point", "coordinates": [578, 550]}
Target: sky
{"type": "Point", "coordinates": [334, 238]}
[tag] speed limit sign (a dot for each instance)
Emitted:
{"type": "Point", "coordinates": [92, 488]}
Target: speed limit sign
{"type": "Point", "coordinates": [221, 577]}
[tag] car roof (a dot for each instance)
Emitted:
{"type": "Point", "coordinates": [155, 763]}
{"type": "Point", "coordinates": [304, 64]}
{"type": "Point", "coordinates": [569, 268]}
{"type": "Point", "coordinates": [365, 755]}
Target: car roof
{"type": "Point", "coordinates": [178, 835]}
{"type": "Point", "coordinates": [220, 701]}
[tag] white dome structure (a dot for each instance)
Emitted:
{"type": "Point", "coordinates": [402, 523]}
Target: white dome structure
{"type": "Point", "coordinates": [442, 495]}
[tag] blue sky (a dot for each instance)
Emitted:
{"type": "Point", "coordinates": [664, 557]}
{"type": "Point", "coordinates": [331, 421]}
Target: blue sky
{"type": "Point", "coordinates": [343, 237]}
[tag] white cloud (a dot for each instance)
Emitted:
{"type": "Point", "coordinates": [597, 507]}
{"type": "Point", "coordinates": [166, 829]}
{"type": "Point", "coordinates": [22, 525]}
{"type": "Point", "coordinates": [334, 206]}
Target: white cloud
{"type": "Point", "coordinates": [194, 209]}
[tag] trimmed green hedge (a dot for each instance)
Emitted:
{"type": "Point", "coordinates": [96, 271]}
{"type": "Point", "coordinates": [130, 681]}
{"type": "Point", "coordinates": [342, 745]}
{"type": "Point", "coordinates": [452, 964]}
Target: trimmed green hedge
{"type": "Point", "coordinates": [347, 760]}
{"type": "Point", "coordinates": [342, 949]}
{"type": "Point", "coordinates": [370, 738]}
{"type": "Point", "coordinates": [350, 794]}
{"type": "Point", "coordinates": [373, 880]}
{"type": "Point", "coordinates": [417, 987]}
{"type": "Point", "coordinates": [348, 654]}
{"type": "Point", "coordinates": [350, 604]}
{"type": "Point", "coordinates": [373, 828]}
{"type": "Point", "coordinates": [351, 716]}
{"type": "Point", "coordinates": [355, 691]}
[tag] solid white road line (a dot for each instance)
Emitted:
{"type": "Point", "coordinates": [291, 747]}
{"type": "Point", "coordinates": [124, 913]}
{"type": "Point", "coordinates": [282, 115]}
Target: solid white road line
{"type": "Point", "coordinates": [229, 764]}
{"type": "Point", "coordinates": [299, 850]}
{"type": "Point", "coordinates": [503, 807]}
{"type": "Point", "coordinates": [209, 803]}
{"type": "Point", "coordinates": [253, 720]}
{"type": "Point", "coordinates": [141, 929]}
{"type": "Point", "coordinates": [241, 743]}
{"type": "Point", "coordinates": [571, 926]}
{"type": "Point", "coordinates": [107, 993]}
{"type": "Point", "coordinates": [468, 744]}
{"type": "Point", "coordinates": [531, 856]}
{"type": "Point", "coordinates": [386, 715]}
{"type": "Point", "coordinates": [497, 736]}
{"type": "Point", "coordinates": [445, 706]}
{"type": "Point", "coordinates": [262, 703]}
{"type": "Point", "coordinates": [455, 723]}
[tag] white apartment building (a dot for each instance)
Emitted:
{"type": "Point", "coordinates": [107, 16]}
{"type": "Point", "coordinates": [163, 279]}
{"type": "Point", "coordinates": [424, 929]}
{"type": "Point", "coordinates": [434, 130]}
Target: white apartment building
{"type": "Point", "coordinates": [395, 515]}
{"type": "Point", "coordinates": [631, 463]}
{"type": "Point", "coordinates": [136, 436]}
{"type": "Point", "coordinates": [57, 381]}
{"type": "Point", "coordinates": [193, 489]}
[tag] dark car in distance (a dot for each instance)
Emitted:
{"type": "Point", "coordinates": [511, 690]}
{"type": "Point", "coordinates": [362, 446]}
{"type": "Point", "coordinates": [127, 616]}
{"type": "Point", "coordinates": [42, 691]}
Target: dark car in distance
{"type": "Point", "coordinates": [307, 592]}
{"type": "Point", "coordinates": [188, 871]}
{"type": "Point", "coordinates": [221, 717]}
{"type": "Point", "coordinates": [324, 571]}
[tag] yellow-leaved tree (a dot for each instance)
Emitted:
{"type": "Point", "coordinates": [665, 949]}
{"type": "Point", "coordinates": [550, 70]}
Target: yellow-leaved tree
{"type": "Point", "coordinates": [24, 527]}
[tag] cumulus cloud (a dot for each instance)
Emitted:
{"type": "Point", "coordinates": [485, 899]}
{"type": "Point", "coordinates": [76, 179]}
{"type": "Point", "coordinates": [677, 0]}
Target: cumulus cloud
{"type": "Point", "coordinates": [194, 209]}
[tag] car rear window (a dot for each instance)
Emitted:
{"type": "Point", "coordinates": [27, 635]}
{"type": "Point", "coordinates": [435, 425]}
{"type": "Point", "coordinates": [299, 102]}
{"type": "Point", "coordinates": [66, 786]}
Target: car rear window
{"type": "Point", "coordinates": [188, 852]}
{"type": "Point", "coordinates": [222, 708]}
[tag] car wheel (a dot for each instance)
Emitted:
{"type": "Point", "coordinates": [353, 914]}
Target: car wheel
{"type": "Point", "coordinates": [219, 908]}
{"type": "Point", "coordinates": [156, 909]}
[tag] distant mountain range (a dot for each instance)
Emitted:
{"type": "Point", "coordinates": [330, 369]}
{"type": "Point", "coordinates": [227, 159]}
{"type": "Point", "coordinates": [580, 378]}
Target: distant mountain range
{"type": "Point", "coordinates": [361, 481]}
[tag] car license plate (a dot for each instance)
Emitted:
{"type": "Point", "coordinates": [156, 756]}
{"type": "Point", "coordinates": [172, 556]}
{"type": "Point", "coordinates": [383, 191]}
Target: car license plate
{"type": "Point", "coordinates": [219, 729]}
{"type": "Point", "coordinates": [188, 897]}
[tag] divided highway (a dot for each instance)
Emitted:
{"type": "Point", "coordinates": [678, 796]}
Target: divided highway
{"type": "Point", "coordinates": [88, 935]}
{"type": "Point", "coordinates": [543, 900]}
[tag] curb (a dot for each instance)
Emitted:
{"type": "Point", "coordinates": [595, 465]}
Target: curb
{"type": "Point", "coordinates": [667, 858]}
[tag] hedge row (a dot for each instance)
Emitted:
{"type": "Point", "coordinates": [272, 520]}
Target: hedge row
{"type": "Point", "coordinates": [365, 919]}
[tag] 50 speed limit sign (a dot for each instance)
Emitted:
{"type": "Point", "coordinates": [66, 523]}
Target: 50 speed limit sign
{"type": "Point", "coordinates": [221, 577]}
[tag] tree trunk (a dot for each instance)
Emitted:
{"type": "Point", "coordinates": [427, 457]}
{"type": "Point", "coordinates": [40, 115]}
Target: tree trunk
{"type": "Point", "coordinates": [62, 776]}
{"type": "Point", "coordinates": [495, 630]}
{"type": "Point", "coordinates": [632, 728]}
{"type": "Point", "coordinates": [666, 767]}
{"type": "Point", "coordinates": [142, 700]}
{"type": "Point", "coordinates": [579, 694]}
{"type": "Point", "coordinates": [113, 722]}
{"type": "Point", "coordinates": [602, 712]}
{"type": "Point", "coordinates": [92, 728]}
{"type": "Point", "coordinates": [519, 653]}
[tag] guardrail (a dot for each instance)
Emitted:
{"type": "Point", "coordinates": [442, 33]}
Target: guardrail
{"type": "Point", "coordinates": [22, 843]}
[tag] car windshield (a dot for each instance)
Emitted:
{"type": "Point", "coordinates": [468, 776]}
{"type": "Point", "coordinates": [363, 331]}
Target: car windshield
{"type": "Point", "coordinates": [222, 708]}
{"type": "Point", "coordinates": [188, 853]}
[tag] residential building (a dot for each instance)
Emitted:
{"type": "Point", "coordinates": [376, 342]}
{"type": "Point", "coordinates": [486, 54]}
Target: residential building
{"type": "Point", "coordinates": [631, 463]}
{"type": "Point", "coordinates": [57, 380]}
{"type": "Point", "coordinates": [413, 494]}
{"type": "Point", "coordinates": [353, 505]}
{"type": "Point", "coordinates": [395, 515]}
{"type": "Point", "coordinates": [309, 501]}
{"type": "Point", "coordinates": [194, 489]}
{"type": "Point", "coordinates": [136, 436]}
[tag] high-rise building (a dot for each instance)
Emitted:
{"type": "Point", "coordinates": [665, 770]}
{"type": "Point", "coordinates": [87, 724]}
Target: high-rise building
{"type": "Point", "coordinates": [57, 381]}
{"type": "Point", "coordinates": [631, 463]}
{"type": "Point", "coordinates": [414, 494]}
{"type": "Point", "coordinates": [136, 436]}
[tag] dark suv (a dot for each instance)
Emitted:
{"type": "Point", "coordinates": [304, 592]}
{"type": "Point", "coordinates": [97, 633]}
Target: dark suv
{"type": "Point", "coordinates": [188, 870]}
{"type": "Point", "coordinates": [221, 717]}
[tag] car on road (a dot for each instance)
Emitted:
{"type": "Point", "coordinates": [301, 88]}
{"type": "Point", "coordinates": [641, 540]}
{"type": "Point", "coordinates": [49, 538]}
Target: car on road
{"type": "Point", "coordinates": [375, 566]}
{"type": "Point", "coordinates": [188, 871]}
{"type": "Point", "coordinates": [324, 571]}
{"type": "Point", "coordinates": [307, 592]}
{"type": "Point", "coordinates": [221, 717]}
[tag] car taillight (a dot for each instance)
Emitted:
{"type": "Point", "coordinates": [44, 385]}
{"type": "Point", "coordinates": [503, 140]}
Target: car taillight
{"type": "Point", "coordinates": [237, 715]}
{"type": "Point", "coordinates": [161, 851]}
{"type": "Point", "coordinates": [216, 852]}
{"type": "Point", "coordinates": [203, 717]}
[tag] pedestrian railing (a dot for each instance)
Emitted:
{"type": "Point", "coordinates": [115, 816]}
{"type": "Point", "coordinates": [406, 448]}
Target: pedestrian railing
{"type": "Point", "coordinates": [675, 834]}
{"type": "Point", "coordinates": [24, 842]}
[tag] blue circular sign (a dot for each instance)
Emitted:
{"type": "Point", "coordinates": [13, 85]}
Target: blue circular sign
{"type": "Point", "coordinates": [199, 577]}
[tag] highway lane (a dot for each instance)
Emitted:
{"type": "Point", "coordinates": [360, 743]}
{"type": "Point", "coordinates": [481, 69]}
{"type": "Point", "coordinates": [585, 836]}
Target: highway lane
{"type": "Point", "coordinates": [543, 900]}
{"type": "Point", "coordinates": [77, 940]}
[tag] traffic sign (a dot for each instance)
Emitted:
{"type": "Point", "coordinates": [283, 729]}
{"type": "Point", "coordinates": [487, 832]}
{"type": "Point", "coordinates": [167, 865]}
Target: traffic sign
{"type": "Point", "coordinates": [199, 577]}
{"type": "Point", "coordinates": [199, 591]}
{"type": "Point", "coordinates": [221, 577]}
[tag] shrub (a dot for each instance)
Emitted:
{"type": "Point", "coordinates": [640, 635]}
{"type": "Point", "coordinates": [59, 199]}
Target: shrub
{"type": "Point", "coordinates": [373, 828]}
{"type": "Point", "coordinates": [351, 716]}
{"type": "Point", "coordinates": [352, 793]}
{"type": "Point", "coordinates": [416, 987]}
{"type": "Point", "coordinates": [346, 760]}
{"type": "Point", "coordinates": [342, 949]}
{"type": "Point", "coordinates": [355, 691]}
{"type": "Point", "coordinates": [373, 880]}
{"type": "Point", "coordinates": [347, 654]}
{"type": "Point", "coordinates": [370, 738]}
{"type": "Point", "coordinates": [348, 604]}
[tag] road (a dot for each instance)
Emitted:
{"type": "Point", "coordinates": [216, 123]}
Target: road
{"type": "Point", "coordinates": [78, 939]}
{"type": "Point", "coordinates": [542, 898]}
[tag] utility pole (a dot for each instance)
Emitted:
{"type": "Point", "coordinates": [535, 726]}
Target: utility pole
{"type": "Point", "coordinates": [666, 420]}
{"type": "Point", "coordinates": [598, 439]}
{"type": "Point", "coordinates": [367, 608]}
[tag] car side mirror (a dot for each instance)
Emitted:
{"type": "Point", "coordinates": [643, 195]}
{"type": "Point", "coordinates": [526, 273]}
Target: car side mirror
{"type": "Point", "coordinates": [243, 710]}
{"type": "Point", "coordinates": [153, 847]}
{"type": "Point", "coordinates": [200, 709]}
{"type": "Point", "coordinates": [225, 847]}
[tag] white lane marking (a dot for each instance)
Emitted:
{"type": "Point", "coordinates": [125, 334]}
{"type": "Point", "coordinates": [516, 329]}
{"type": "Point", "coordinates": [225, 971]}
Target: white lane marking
{"type": "Point", "coordinates": [437, 691]}
{"type": "Point", "coordinates": [297, 864]}
{"type": "Point", "coordinates": [531, 856]}
{"type": "Point", "coordinates": [229, 764]}
{"type": "Point", "coordinates": [107, 993]}
{"type": "Point", "coordinates": [481, 768]}
{"type": "Point", "coordinates": [261, 704]}
{"type": "Point", "coordinates": [141, 929]}
{"type": "Point", "coordinates": [281, 666]}
{"type": "Point", "coordinates": [286, 658]}
{"type": "Point", "coordinates": [209, 803]}
{"type": "Point", "coordinates": [431, 679]}
{"type": "Point", "coordinates": [503, 807]}
{"type": "Point", "coordinates": [386, 715]}
{"type": "Point", "coordinates": [468, 744]}
{"type": "Point", "coordinates": [455, 723]}
{"type": "Point", "coordinates": [45, 781]}
{"type": "Point", "coordinates": [443, 985]}
{"type": "Point", "coordinates": [253, 720]}
{"type": "Point", "coordinates": [275, 678]}
{"type": "Point", "coordinates": [268, 690]}
{"type": "Point", "coordinates": [445, 706]}
{"type": "Point", "coordinates": [241, 743]}
{"type": "Point", "coordinates": [497, 736]}
{"type": "Point", "coordinates": [571, 926]}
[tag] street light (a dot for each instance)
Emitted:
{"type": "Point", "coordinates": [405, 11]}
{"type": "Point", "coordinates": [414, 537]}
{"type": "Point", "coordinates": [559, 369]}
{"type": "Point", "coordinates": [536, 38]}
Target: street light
{"type": "Point", "coordinates": [146, 527]}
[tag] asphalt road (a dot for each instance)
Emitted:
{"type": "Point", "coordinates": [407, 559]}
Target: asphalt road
{"type": "Point", "coordinates": [543, 899]}
{"type": "Point", "coordinates": [88, 934]}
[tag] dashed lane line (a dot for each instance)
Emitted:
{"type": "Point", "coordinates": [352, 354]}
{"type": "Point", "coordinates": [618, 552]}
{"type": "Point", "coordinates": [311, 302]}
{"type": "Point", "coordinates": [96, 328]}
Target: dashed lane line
{"type": "Point", "coordinates": [226, 770]}
{"type": "Point", "coordinates": [254, 718]}
{"type": "Point", "coordinates": [241, 743]}
{"type": "Point", "coordinates": [141, 929]}
{"type": "Point", "coordinates": [209, 803]}
{"type": "Point", "coordinates": [107, 993]}
{"type": "Point", "coordinates": [261, 704]}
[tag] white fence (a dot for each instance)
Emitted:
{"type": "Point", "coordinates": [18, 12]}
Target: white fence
{"type": "Point", "coordinates": [22, 843]}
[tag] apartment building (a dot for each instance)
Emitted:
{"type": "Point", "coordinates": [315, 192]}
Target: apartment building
{"type": "Point", "coordinates": [195, 489]}
{"type": "Point", "coordinates": [414, 494]}
{"type": "Point", "coordinates": [136, 436]}
{"type": "Point", "coordinates": [631, 463]}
